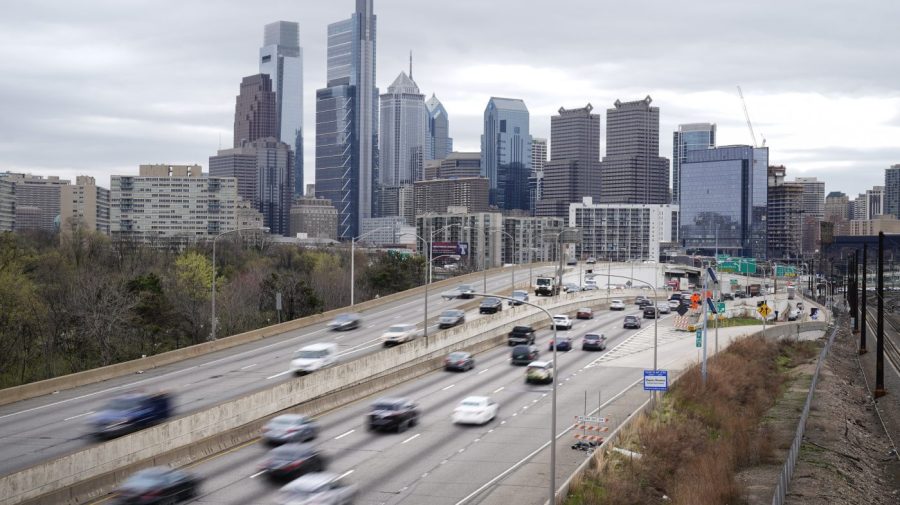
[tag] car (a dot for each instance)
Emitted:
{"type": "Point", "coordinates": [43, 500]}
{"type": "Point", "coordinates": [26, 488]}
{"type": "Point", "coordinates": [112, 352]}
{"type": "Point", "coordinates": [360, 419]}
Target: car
{"type": "Point", "coordinates": [157, 485]}
{"type": "Point", "coordinates": [727, 296]}
{"type": "Point", "coordinates": [521, 335]}
{"type": "Point", "coordinates": [291, 461]}
{"type": "Point", "coordinates": [650, 312]}
{"type": "Point", "coordinates": [314, 357]}
{"type": "Point", "coordinates": [674, 304]}
{"type": "Point", "coordinates": [640, 300]}
{"type": "Point", "coordinates": [524, 354]}
{"type": "Point", "coordinates": [663, 308]}
{"type": "Point", "coordinates": [675, 296]}
{"type": "Point", "coordinates": [466, 291]}
{"type": "Point", "coordinates": [130, 412]}
{"type": "Point", "coordinates": [643, 304]}
{"type": "Point", "coordinates": [539, 372]}
{"type": "Point", "coordinates": [288, 428]}
{"type": "Point", "coordinates": [459, 361]}
{"type": "Point", "coordinates": [793, 315]}
{"type": "Point", "coordinates": [490, 305]}
{"type": "Point", "coordinates": [475, 410]}
{"type": "Point", "coordinates": [518, 297]}
{"type": "Point", "coordinates": [591, 260]}
{"type": "Point", "coordinates": [451, 317]}
{"type": "Point", "coordinates": [319, 488]}
{"type": "Point", "coordinates": [616, 305]}
{"type": "Point", "coordinates": [397, 414]}
{"type": "Point", "coordinates": [740, 294]}
{"type": "Point", "coordinates": [345, 322]}
{"type": "Point", "coordinates": [631, 322]}
{"type": "Point", "coordinates": [593, 342]}
{"type": "Point", "coordinates": [563, 343]}
{"type": "Point", "coordinates": [571, 261]}
{"type": "Point", "coordinates": [562, 321]}
{"type": "Point", "coordinates": [584, 313]}
{"type": "Point", "coordinates": [591, 287]}
{"type": "Point", "coordinates": [571, 287]}
{"type": "Point", "coordinates": [398, 334]}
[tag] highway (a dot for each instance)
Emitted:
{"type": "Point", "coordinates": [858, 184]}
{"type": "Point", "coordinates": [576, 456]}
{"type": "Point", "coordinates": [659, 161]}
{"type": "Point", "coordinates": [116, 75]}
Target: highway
{"type": "Point", "coordinates": [437, 462]}
{"type": "Point", "coordinates": [38, 429]}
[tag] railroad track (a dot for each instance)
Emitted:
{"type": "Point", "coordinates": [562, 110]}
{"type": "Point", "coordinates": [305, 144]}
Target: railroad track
{"type": "Point", "coordinates": [891, 336]}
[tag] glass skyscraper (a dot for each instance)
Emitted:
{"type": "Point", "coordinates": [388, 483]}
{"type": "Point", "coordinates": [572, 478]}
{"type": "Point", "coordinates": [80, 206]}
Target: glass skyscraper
{"type": "Point", "coordinates": [347, 120]}
{"type": "Point", "coordinates": [281, 58]}
{"type": "Point", "coordinates": [402, 139]}
{"type": "Point", "coordinates": [439, 145]}
{"type": "Point", "coordinates": [723, 201]}
{"type": "Point", "coordinates": [688, 137]}
{"type": "Point", "coordinates": [506, 152]}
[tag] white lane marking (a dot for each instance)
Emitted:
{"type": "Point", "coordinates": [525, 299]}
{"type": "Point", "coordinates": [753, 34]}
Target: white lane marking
{"type": "Point", "coordinates": [342, 435]}
{"type": "Point", "coordinates": [370, 326]}
{"type": "Point", "coordinates": [345, 353]}
{"type": "Point", "coordinates": [257, 474]}
{"type": "Point", "coordinates": [79, 415]}
{"type": "Point", "coordinates": [498, 390]}
{"type": "Point", "coordinates": [278, 374]}
{"type": "Point", "coordinates": [348, 472]}
{"type": "Point", "coordinates": [485, 370]}
{"type": "Point", "coordinates": [448, 387]}
{"type": "Point", "coordinates": [249, 366]}
{"type": "Point", "coordinates": [410, 439]}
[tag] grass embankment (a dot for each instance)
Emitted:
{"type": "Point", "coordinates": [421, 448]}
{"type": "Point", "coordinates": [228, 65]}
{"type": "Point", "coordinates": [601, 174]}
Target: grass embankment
{"type": "Point", "coordinates": [695, 441]}
{"type": "Point", "coordinates": [737, 321]}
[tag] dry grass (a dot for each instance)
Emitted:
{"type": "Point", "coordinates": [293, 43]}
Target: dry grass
{"type": "Point", "coordinates": [700, 436]}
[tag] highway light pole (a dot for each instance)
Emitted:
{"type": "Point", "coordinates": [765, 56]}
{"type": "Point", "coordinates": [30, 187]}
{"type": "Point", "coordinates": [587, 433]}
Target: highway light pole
{"type": "Point", "coordinates": [353, 259]}
{"type": "Point", "coordinates": [212, 321]}
{"type": "Point", "coordinates": [655, 314]}
{"type": "Point", "coordinates": [513, 242]}
{"type": "Point", "coordinates": [428, 273]}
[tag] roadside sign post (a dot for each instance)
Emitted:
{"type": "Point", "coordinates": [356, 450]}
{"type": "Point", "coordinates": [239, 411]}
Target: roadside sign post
{"type": "Point", "coordinates": [656, 380]}
{"type": "Point", "coordinates": [699, 342]}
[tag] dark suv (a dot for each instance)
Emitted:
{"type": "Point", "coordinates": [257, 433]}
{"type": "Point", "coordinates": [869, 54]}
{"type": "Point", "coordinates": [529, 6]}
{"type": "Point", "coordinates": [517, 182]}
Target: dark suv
{"type": "Point", "coordinates": [392, 414]}
{"type": "Point", "coordinates": [631, 322]}
{"type": "Point", "coordinates": [524, 354]}
{"type": "Point", "coordinates": [521, 335]}
{"type": "Point", "coordinates": [490, 306]}
{"type": "Point", "coordinates": [650, 312]}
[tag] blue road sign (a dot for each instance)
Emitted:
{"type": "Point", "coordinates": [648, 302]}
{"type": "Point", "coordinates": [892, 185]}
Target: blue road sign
{"type": "Point", "coordinates": [656, 380]}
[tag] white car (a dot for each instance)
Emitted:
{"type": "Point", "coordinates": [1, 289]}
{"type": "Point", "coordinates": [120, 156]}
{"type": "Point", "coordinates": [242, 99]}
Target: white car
{"type": "Point", "coordinates": [562, 321]}
{"type": "Point", "coordinates": [663, 308]}
{"type": "Point", "coordinates": [314, 357]}
{"type": "Point", "coordinates": [616, 305]}
{"type": "Point", "coordinates": [399, 333]}
{"type": "Point", "coordinates": [475, 410]}
{"type": "Point", "coordinates": [674, 304]}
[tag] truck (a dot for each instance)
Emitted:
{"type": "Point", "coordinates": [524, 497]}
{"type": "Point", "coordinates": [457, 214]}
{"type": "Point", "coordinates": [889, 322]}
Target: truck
{"type": "Point", "coordinates": [130, 412]}
{"type": "Point", "coordinates": [791, 292]}
{"type": "Point", "coordinates": [754, 290]}
{"type": "Point", "coordinates": [546, 286]}
{"type": "Point", "coordinates": [521, 335]}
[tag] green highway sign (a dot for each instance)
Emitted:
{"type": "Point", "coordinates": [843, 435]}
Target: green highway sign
{"type": "Point", "coordinates": [720, 308]}
{"type": "Point", "coordinates": [700, 338]}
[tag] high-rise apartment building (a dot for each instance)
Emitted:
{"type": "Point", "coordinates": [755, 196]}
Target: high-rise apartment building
{"type": "Point", "coordinates": [632, 170]}
{"type": "Point", "coordinates": [892, 191]}
{"type": "Point", "coordinates": [281, 58]}
{"type": "Point", "coordinates": [438, 195]}
{"type": "Point", "coordinates": [255, 113]}
{"type": "Point", "coordinates": [689, 137]}
{"type": "Point", "coordinates": [837, 207]}
{"type": "Point", "coordinates": [536, 180]}
{"type": "Point", "coordinates": [785, 215]}
{"type": "Point", "coordinates": [813, 211]}
{"type": "Point", "coordinates": [315, 217]}
{"type": "Point", "coordinates": [398, 201]}
{"type": "Point", "coordinates": [347, 120]}
{"type": "Point", "coordinates": [529, 238]}
{"type": "Point", "coordinates": [724, 195]}
{"type": "Point", "coordinates": [573, 170]}
{"type": "Point", "coordinates": [438, 144]}
{"type": "Point", "coordinates": [538, 154]}
{"type": "Point", "coordinates": [7, 205]}
{"type": "Point", "coordinates": [402, 139]}
{"type": "Point", "coordinates": [478, 230]}
{"type": "Point", "coordinates": [874, 199]}
{"type": "Point", "coordinates": [622, 232]}
{"type": "Point", "coordinates": [84, 205]}
{"type": "Point", "coordinates": [506, 152]}
{"type": "Point", "coordinates": [37, 200]}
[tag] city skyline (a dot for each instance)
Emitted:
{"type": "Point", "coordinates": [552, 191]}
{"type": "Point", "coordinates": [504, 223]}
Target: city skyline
{"type": "Point", "coordinates": [142, 113]}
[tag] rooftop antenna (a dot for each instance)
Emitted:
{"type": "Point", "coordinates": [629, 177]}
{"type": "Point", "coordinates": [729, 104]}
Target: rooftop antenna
{"type": "Point", "coordinates": [410, 65]}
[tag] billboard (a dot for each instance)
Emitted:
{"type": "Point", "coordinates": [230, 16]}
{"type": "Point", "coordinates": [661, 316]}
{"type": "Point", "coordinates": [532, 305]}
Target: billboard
{"type": "Point", "coordinates": [449, 248]}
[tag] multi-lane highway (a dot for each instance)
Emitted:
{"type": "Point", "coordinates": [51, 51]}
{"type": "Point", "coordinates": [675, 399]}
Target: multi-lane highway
{"type": "Point", "coordinates": [41, 428]}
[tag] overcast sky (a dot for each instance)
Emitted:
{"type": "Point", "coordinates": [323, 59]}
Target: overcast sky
{"type": "Point", "coordinates": [98, 87]}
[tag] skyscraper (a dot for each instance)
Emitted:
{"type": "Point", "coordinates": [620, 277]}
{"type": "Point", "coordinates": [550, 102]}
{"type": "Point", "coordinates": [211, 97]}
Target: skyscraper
{"type": "Point", "coordinates": [892, 191]}
{"type": "Point", "coordinates": [254, 110]}
{"type": "Point", "coordinates": [784, 215]}
{"type": "Point", "coordinates": [402, 139]}
{"type": "Point", "coordinates": [347, 120]}
{"type": "Point", "coordinates": [688, 137]}
{"type": "Point", "coordinates": [281, 58]}
{"type": "Point", "coordinates": [572, 172]}
{"type": "Point", "coordinates": [439, 145]}
{"type": "Point", "coordinates": [536, 180]}
{"type": "Point", "coordinates": [538, 154]}
{"type": "Point", "coordinates": [506, 152]}
{"type": "Point", "coordinates": [812, 212]}
{"type": "Point", "coordinates": [632, 170]}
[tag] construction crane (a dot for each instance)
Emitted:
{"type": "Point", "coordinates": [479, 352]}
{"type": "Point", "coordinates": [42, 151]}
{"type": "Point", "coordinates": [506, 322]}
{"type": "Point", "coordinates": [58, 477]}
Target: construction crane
{"type": "Point", "coordinates": [747, 116]}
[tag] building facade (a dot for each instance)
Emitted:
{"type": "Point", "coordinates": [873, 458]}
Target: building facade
{"type": "Point", "coordinates": [506, 152]}
{"type": "Point", "coordinates": [883, 223]}
{"type": "Point", "coordinates": [689, 137]}
{"type": "Point", "coordinates": [316, 217]}
{"type": "Point", "coordinates": [84, 205]}
{"type": "Point", "coordinates": [438, 195]}
{"type": "Point", "coordinates": [837, 206]}
{"type": "Point", "coordinates": [785, 213]}
{"type": "Point", "coordinates": [622, 232]}
{"type": "Point", "coordinates": [255, 114]}
{"type": "Point", "coordinates": [281, 58]}
{"type": "Point", "coordinates": [438, 144]}
{"type": "Point", "coordinates": [398, 201]}
{"type": "Point", "coordinates": [724, 195]}
{"type": "Point", "coordinates": [483, 247]}
{"type": "Point", "coordinates": [402, 138]}
{"type": "Point", "coordinates": [632, 170]}
{"type": "Point", "coordinates": [573, 171]}
{"type": "Point", "coordinates": [530, 239]}
{"type": "Point", "coordinates": [37, 200]}
{"type": "Point", "coordinates": [7, 205]}
{"type": "Point", "coordinates": [892, 191]}
{"type": "Point", "coordinates": [388, 231]}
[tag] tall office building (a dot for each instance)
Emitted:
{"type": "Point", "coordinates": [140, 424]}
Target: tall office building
{"type": "Point", "coordinates": [536, 180]}
{"type": "Point", "coordinates": [573, 170]}
{"type": "Point", "coordinates": [83, 205]}
{"type": "Point", "coordinates": [874, 202]}
{"type": "Point", "coordinates": [36, 200]}
{"type": "Point", "coordinates": [254, 111]}
{"type": "Point", "coordinates": [837, 207]}
{"type": "Point", "coordinates": [281, 58]}
{"type": "Point", "coordinates": [723, 201]}
{"type": "Point", "coordinates": [438, 144]}
{"type": "Point", "coordinates": [632, 170]}
{"type": "Point", "coordinates": [892, 191]}
{"type": "Point", "coordinates": [506, 152]}
{"type": "Point", "coordinates": [402, 139]}
{"type": "Point", "coordinates": [347, 120]}
{"type": "Point", "coordinates": [689, 137]}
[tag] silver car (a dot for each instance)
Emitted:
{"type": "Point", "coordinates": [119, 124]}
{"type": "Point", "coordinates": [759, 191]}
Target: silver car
{"type": "Point", "coordinates": [344, 322]}
{"type": "Point", "coordinates": [289, 428]}
{"type": "Point", "coordinates": [451, 317]}
{"type": "Point", "coordinates": [319, 488]}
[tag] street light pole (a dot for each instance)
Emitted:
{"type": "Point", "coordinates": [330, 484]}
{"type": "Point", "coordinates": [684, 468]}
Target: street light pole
{"type": "Point", "coordinates": [212, 322]}
{"type": "Point", "coordinates": [353, 260]}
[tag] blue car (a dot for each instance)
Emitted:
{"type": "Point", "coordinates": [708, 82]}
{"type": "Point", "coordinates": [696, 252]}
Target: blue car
{"type": "Point", "coordinates": [563, 344]}
{"type": "Point", "coordinates": [130, 412]}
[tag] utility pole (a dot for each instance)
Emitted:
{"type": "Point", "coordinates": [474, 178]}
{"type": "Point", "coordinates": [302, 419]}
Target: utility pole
{"type": "Point", "coordinates": [879, 346]}
{"type": "Point", "coordinates": [863, 302]}
{"type": "Point", "coordinates": [855, 283]}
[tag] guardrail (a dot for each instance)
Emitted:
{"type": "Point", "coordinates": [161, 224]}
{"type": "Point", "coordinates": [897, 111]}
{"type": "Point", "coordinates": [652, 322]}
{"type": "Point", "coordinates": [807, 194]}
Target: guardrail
{"type": "Point", "coordinates": [192, 437]}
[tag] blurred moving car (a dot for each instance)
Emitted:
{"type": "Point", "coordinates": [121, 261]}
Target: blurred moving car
{"type": "Point", "coordinates": [292, 460]}
{"type": "Point", "coordinates": [650, 312]}
{"type": "Point", "coordinates": [518, 297]}
{"type": "Point", "coordinates": [593, 342]}
{"type": "Point", "coordinates": [398, 334]}
{"type": "Point", "coordinates": [392, 414]}
{"type": "Point", "coordinates": [562, 321]}
{"type": "Point", "coordinates": [631, 322]}
{"type": "Point", "coordinates": [591, 260]}
{"type": "Point", "coordinates": [571, 261]}
{"type": "Point", "coordinates": [317, 489]}
{"type": "Point", "coordinates": [539, 372]}
{"type": "Point", "coordinates": [130, 412]}
{"type": "Point", "coordinates": [674, 304]}
{"type": "Point", "coordinates": [459, 361]}
{"type": "Point", "coordinates": [475, 410]}
{"type": "Point", "coordinates": [584, 313]}
{"type": "Point", "coordinates": [521, 335]}
{"type": "Point", "coordinates": [563, 344]}
{"type": "Point", "coordinates": [451, 317]}
{"type": "Point", "coordinates": [663, 308]}
{"type": "Point", "coordinates": [571, 287]}
{"type": "Point", "coordinates": [157, 485]}
{"type": "Point", "coordinates": [794, 314]}
{"type": "Point", "coordinates": [464, 291]}
{"type": "Point", "coordinates": [591, 286]}
{"type": "Point", "coordinates": [640, 300]}
{"type": "Point", "coordinates": [344, 322]}
{"type": "Point", "coordinates": [289, 428]}
{"type": "Point", "coordinates": [616, 305]}
{"type": "Point", "coordinates": [524, 354]}
{"type": "Point", "coordinates": [314, 357]}
{"type": "Point", "coordinates": [490, 305]}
